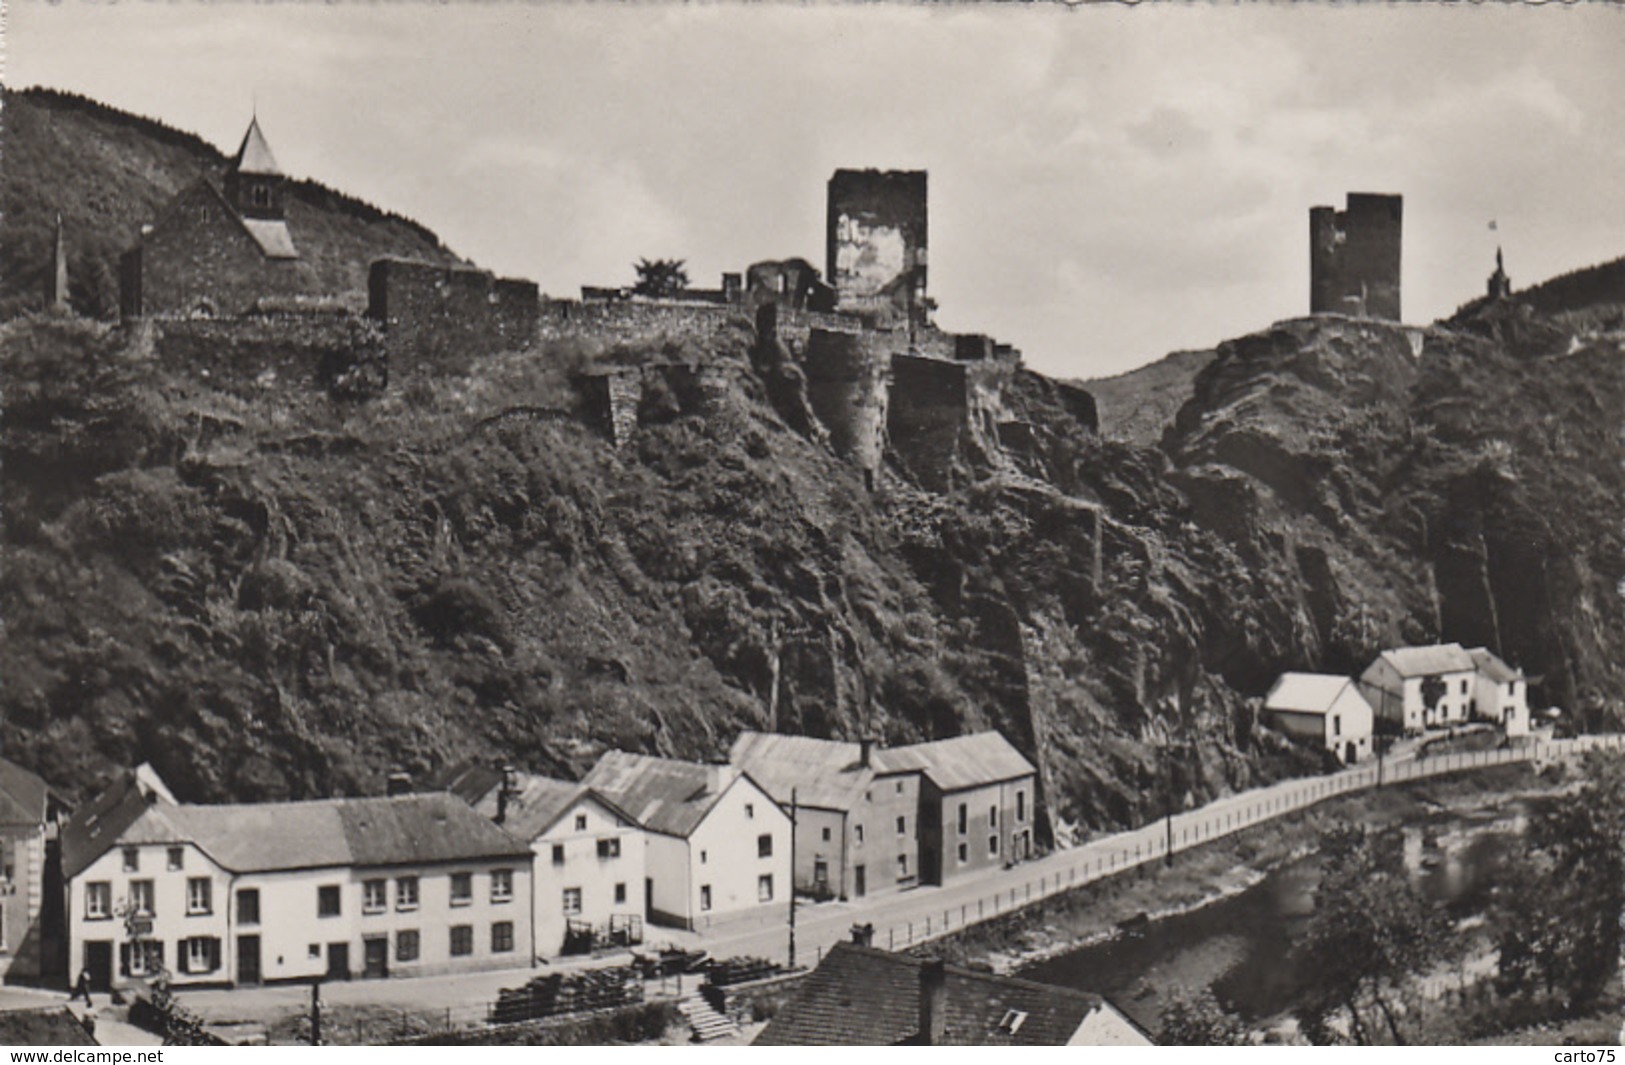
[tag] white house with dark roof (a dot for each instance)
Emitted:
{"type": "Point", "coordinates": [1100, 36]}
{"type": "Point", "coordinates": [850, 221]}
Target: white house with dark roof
{"type": "Point", "coordinates": [717, 845]}
{"type": "Point", "coordinates": [30, 897]}
{"type": "Point", "coordinates": [1418, 688]}
{"type": "Point", "coordinates": [1323, 709]}
{"type": "Point", "coordinates": [334, 888]}
{"type": "Point", "coordinates": [589, 876]}
{"type": "Point", "coordinates": [1500, 692]}
{"type": "Point", "coordinates": [857, 827]}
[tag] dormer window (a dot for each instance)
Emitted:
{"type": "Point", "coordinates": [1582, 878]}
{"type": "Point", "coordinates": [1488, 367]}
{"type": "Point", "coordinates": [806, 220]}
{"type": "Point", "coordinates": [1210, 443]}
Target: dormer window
{"type": "Point", "coordinates": [1012, 1021]}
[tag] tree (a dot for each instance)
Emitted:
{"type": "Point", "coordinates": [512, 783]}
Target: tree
{"type": "Point", "coordinates": [1371, 932]}
{"type": "Point", "coordinates": [660, 277]}
{"type": "Point", "coordinates": [1199, 1020]}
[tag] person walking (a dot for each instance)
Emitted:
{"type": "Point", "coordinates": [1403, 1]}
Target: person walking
{"type": "Point", "coordinates": [82, 987]}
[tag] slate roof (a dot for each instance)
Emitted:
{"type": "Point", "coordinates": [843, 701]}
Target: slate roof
{"type": "Point", "coordinates": [1490, 665]}
{"type": "Point", "coordinates": [25, 799]}
{"type": "Point", "coordinates": [416, 829]}
{"type": "Point", "coordinates": [1427, 661]}
{"type": "Point", "coordinates": [862, 996]}
{"type": "Point", "coordinates": [254, 154]}
{"type": "Point", "coordinates": [538, 802]}
{"type": "Point", "coordinates": [1306, 693]}
{"type": "Point", "coordinates": [826, 774]}
{"type": "Point", "coordinates": [471, 781]}
{"type": "Point", "coordinates": [661, 794]}
{"type": "Point", "coordinates": [958, 763]}
{"type": "Point", "coordinates": [272, 236]}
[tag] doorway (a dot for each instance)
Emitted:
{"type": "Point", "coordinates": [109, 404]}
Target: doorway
{"type": "Point", "coordinates": [338, 961]}
{"type": "Point", "coordinates": [248, 959]}
{"type": "Point", "coordinates": [99, 963]}
{"type": "Point", "coordinates": [860, 881]}
{"type": "Point", "coordinates": [377, 957]}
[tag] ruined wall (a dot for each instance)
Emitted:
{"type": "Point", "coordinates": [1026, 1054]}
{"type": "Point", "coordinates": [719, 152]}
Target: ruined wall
{"type": "Point", "coordinates": [610, 400]}
{"type": "Point", "coordinates": [1354, 257]}
{"type": "Point", "coordinates": [848, 382]}
{"type": "Point", "coordinates": [336, 352]}
{"type": "Point", "coordinates": [617, 400]}
{"type": "Point", "coordinates": [198, 259]}
{"type": "Point", "coordinates": [644, 323]}
{"type": "Point", "coordinates": [440, 317]}
{"type": "Point", "coordinates": [876, 237]}
{"type": "Point", "coordinates": [945, 415]}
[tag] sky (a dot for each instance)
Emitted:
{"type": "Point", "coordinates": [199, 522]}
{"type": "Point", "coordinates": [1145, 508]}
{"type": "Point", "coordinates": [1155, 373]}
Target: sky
{"type": "Point", "coordinates": [1108, 183]}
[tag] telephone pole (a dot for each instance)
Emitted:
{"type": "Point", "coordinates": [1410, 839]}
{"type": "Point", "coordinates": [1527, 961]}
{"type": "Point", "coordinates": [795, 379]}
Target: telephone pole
{"type": "Point", "coordinates": [793, 810]}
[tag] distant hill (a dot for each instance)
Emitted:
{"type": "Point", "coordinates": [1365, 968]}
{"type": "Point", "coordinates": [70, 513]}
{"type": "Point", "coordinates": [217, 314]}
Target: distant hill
{"type": "Point", "coordinates": [108, 172]}
{"type": "Point", "coordinates": [1137, 406]}
{"type": "Point", "coordinates": [1601, 284]}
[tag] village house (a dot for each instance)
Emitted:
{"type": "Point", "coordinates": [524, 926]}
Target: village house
{"type": "Point", "coordinates": [589, 874]}
{"type": "Point", "coordinates": [30, 888]}
{"type": "Point", "coordinates": [856, 828]}
{"type": "Point", "coordinates": [1418, 688]}
{"type": "Point", "coordinates": [977, 798]}
{"type": "Point", "coordinates": [1323, 709]}
{"type": "Point", "coordinates": [331, 888]}
{"type": "Point", "coordinates": [216, 250]}
{"type": "Point", "coordinates": [860, 996]}
{"type": "Point", "coordinates": [1500, 693]}
{"type": "Point", "coordinates": [717, 845]}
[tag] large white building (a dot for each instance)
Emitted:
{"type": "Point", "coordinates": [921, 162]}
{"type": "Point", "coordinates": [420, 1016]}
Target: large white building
{"type": "Point", "coordinates": [1500, 693]}
{"type": "Point", "coordinates": [1324, 709]}
{"type": "Point", "coordinates": [334, 888]}
{"type": "Point", "coordinates": [589, 880]}
{"type": "Point", "coordinates": [717, 845]}
{"type": "Point", "coordinates": [1420, 688]}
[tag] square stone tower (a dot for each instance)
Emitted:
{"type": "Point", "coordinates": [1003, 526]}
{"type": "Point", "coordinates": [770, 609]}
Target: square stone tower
{"type": "Point", "coordinates": [877, 244]}
{"type": "Point", "coordinates": [1354, 257]}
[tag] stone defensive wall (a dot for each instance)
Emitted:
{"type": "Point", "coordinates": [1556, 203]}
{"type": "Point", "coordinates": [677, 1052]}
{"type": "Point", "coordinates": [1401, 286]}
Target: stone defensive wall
{"type": "Point", "coordinates": [849, 382]}
{"type": "Point", "coordinates": [441, 317]}
{"type": "Point", "coordinates": [616, 400]}
{"type": "Point", "coordinates": [944, 414]}
{"type": "Point", "coordinates": [644, 323]}
{"type": "Point", "coordinates": [343, 353]}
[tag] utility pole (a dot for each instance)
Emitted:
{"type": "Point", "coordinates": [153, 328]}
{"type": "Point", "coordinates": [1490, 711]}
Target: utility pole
{"type": "Point", "coordinates": [315, 1013]}
{"type": "Point", "coordinates": [793, 810]}
{"type": "Point", "coordinates": [1168, 791]}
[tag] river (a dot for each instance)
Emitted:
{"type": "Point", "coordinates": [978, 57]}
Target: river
{"type": "Point", "coordinates": [1240, 945]}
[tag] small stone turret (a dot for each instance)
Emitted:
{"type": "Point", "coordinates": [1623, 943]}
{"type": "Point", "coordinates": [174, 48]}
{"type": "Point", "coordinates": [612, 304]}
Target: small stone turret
{"type": "Point", "coordinates": [1499, 286]}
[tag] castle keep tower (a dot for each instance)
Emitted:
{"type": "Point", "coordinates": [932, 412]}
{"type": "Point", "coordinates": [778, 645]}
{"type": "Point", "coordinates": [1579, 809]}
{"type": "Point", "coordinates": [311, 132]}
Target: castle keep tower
{"type": "Point", "coordinates": [876, 242]}
{"type": "Point", "coordinates": [1354, 257]}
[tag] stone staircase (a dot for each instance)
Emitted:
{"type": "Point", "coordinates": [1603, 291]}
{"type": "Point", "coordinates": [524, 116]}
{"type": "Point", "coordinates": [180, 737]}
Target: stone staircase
{"type": "Point", "coordinates": [704, 1021]}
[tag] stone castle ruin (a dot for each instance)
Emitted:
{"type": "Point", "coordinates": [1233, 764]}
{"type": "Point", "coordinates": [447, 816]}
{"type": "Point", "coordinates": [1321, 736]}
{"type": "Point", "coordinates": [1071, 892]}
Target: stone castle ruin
{"type": "Point", "coordinates": [1354, 257]}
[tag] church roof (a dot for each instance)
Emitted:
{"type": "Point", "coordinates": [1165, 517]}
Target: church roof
{"type": "Point", "coordinates": [254, 155]}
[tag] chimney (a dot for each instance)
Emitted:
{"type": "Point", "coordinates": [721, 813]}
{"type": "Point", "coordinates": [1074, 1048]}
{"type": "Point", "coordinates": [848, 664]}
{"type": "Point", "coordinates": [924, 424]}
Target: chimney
{"type": "Point", "coordinates": [399, 783]}
{"type": "Point", "coordinates": [505, 791]}
{"type": "Point", "coordinates": [866, 747]}
{"type": "Point", "coordinates": [863, 935]}
{"type": "Point", "coordinates": [933, 1002]}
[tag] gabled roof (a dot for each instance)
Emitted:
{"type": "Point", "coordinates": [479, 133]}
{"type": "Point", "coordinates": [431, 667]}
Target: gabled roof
{"type": "Point", "coordinates": [827, 774]}
{"type": "Point", "coordinates": [470, 781]}
{"type": "Point", "coordinates": [25, 799]}
{"type": "Point", "coordinates": [861, 996]}
{"type": "Point", "coordinates": [254, 154]}
{"type": "Point", "coordinates": [1427, 661]}
{"type": "Point", "coordinates": [417, 829]}
{"type": "Point", "coordinates": [961, 762]}
{"type": "Point", "coordinates": [1490, 665]}
{"type": "Point", "coordinates": [661, 794]}
{"type": "Point", "coordinates": [1307, 693]}
{"type": "Point", "coordinates": [538, 802]}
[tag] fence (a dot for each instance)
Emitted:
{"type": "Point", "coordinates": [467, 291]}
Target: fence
{"type": "Point", "coordinates": [1067, 869]}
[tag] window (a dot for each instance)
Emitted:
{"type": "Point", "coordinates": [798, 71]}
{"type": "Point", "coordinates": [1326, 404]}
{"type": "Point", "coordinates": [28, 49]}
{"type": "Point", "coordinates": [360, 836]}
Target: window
{"type": "Point", "coordinates": [406, 893]}
{"type": "Point", "coordinates": [964, 818]}
{"type": "Point", "coordinates": [1464, 686]}
{"type": "Point", "coordinates": [462, 889]}
{"type": "Point", "coordinates": [964, 853]}
{"type": "Point", "coordinates": [314, 950]}
{"type": "Point", "coordinates": [750, 809]}
{"type": "Point", "coordinates": [572, 901]}
{"type": "Point", "coordinates": [857, 834]}
{"type": "Point", "coordinates": [992, 817]}
{"type": "Point", "coordinates": [502, 937]}
{"type": "Point", "coordinates": [1021, 802]}
{"type": "Point", "coordinates": [620, 892]}
{"type": "Point", "coordinates": [406, 945]}
{"type": "Point", "coordinates": [200, 954]}
{"type": "Point", "coordinates": [374, 896]}
{"type": "Point", "coordinates": [609, 848]}
{"type": "Point", "coordinates": [462, 940]}
{"type": "Point", "coordinates": [764, 845]}
{"type": "Point", "coordinates": [826, 833]}
{"type": "Point", "coordinates": [177, 858]}
{"type": "Point", "coordinates": [327, 901]}
{"type": "Point", "coordinates": [98, 900]}
{"type": "Point", "coordinates": [1012, 1021]}
{"type": "Point", "coordinates": [132, 860]}
{"type": "Point", "coordinates": [142, 958]}
{"type": "Point", "coordinates": [1337, 726]}
{"type": "Point", "coordinates": [248, 906]}
{"type": "Point", "coordinates": [262, 196]}
{"type": "Point", "coordinates": [558, 854]}
{"type": "Point", "coordinates": [705, 896]}
{"type": "Point", "coordinates": [899, 787]}
{"type": "Point", "coordinates": [902, 867]}
{"type": "Point", "coordinates": [702, 857]}
{"type": "Point", "coordinates": [581, 822]}
{"type": "Point", "coordinates": [199, 895]}
{"type": "Point", "coordinates": [993, 844]}
{"type": "Point", "coordinates": [141, 897]}
{"type": "Point", "coordinates": [501, 885]}
{"type": "Point", "coordinates": [902, 826]}
{"type": "Point", "coordinates": [764, 888]}
{"type": "Point", "coordinates": [7, 857]}
{"type": "Point", "coordinates": [820, 872]}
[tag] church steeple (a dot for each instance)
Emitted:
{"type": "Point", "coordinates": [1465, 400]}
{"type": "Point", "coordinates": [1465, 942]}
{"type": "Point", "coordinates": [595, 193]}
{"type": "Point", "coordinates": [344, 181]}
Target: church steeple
{"type": "Point", "coordinates": [254, 181]}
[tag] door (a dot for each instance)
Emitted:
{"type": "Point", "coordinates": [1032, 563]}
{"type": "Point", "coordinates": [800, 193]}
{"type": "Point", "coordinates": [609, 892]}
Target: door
{"type": "Point", "coordinates": [248, 959]}
{"type": "Point", "coordinates": [99, 963]}
{"type": "Point", "coordinates": [648, 896]}
{"type": "Point", "coordinates": [1351, 754]}
{"type": "Point", "coordinates": [377, 961]}
{"type": "Point", "coordinates": [860, 881]}
{"type": "Point", "coordinates": [338, 961]}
